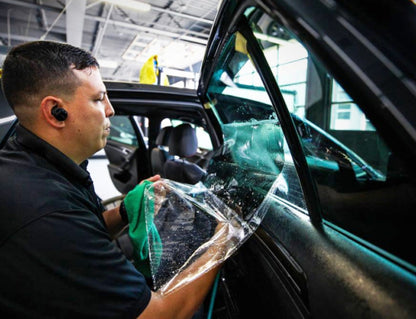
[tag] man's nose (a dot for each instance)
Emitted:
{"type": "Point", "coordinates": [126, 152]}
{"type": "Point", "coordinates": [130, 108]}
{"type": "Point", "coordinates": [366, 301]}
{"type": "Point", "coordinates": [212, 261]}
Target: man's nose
{"type": "Point", "coordinates": [109, 111]}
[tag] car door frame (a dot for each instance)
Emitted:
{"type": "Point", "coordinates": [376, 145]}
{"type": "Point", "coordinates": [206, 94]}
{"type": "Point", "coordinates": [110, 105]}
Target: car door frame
{"type": "Point", "coordinates": [327, 271]}
{"type": "Point", "coordinates": [130, 99]}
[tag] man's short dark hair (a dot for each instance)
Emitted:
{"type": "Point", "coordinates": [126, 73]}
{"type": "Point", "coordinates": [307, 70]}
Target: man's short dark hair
{"type": "Point", "coordinates": [36, 69]}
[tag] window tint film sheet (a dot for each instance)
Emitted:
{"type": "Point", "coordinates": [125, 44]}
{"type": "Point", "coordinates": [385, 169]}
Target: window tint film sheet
{"type": "Point", "coordinates": [190, 231]}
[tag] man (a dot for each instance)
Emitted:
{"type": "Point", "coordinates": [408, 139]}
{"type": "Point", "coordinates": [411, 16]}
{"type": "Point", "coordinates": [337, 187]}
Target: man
{"type": "Point", "coordinates": [57, 256]}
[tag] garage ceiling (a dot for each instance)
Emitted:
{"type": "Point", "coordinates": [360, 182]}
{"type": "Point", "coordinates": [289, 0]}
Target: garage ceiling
{"type": "Point", "coordinates": [120, 34]}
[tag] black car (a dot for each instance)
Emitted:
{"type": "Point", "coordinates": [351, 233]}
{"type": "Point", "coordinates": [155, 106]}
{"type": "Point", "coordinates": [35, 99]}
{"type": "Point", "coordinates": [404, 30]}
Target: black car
{"type": "Point", "coordinates": [305, 112]}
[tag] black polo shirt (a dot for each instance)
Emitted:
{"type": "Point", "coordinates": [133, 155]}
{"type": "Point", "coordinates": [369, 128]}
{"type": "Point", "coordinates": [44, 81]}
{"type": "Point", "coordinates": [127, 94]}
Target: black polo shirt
{"type": "Point", "coordinates": [57, 258]}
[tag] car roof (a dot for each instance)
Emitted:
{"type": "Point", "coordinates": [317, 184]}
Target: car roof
{"type": "Point", "coordinates": [117, 87]}
{"type": "Point", "coordinates": [155, 101]}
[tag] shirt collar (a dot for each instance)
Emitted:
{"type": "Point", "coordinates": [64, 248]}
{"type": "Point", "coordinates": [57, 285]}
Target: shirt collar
{"type": "Point", "coordinates": [59, 160]}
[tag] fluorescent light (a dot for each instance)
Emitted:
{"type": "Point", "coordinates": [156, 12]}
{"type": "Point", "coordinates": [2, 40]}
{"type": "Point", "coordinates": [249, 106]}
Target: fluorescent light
{"type": "Point", "coordinates": [136, 5]}
{"type": "Point", "coordinates": [107, 64]}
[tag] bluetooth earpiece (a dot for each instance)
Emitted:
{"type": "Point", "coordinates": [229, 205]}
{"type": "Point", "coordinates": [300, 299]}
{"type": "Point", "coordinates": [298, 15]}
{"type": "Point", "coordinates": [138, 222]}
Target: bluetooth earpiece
{"type": "Point", "coordinates": [59, 113]}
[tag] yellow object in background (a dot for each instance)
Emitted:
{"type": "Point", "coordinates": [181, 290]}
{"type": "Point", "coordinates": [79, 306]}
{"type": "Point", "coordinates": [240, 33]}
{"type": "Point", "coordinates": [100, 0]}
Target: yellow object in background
{"type": "Point", "coordinates": [241, 44]}
{"type": "Point", "coordinates": [165, 80]}
{"type": "Point", "coordinates": [148, 73]}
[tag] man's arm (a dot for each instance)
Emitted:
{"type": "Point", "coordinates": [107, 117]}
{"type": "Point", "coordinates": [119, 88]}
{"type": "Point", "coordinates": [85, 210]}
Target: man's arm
{"type": "Point", "coordinates": [113, 221]}
{"type": "Point", "coordinates": [183, 302]}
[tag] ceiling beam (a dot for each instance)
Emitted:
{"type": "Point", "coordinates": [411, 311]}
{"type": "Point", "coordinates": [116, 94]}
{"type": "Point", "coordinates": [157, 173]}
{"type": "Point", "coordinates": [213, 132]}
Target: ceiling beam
{"type": "Point", "coordinates": [167, 11]}
{"type": "Point", "coordinates": [153, 30]}
{"type": "Point", "coordinates": [30, 5]}
{"type": "Point", "coordinates": [75, 15]}
{"type": "Point", "coordinates": [182, 15]}
{"type": "Point", "coordinates": [126, 25]}
{"type": "Point", "coordinates": [25, 38]}
{"type": "Point", "coordinates": [100, 35]}
{"type": "Point", "coordinates": [200, 38]}
{"type": "Point", "coordinates": [42, 17]}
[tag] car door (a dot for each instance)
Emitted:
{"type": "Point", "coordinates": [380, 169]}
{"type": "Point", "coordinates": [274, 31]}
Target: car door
{"type": "Point", "coordinates": [141, 112]}
{"type": "Point", "coordinates": [126, 151]}
{"type": "Point", "coordinates": [315, 160]}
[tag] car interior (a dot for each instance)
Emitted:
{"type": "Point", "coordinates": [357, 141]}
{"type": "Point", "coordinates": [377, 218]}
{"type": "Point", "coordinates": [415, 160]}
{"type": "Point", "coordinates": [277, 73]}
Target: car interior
{"type": "Point", "coordinates": [174, 153]}
{"type": "Point", "coordinates": [277, 127]}
{"type": "Point", "coordinates": [183, 144]}
{"type": "Point", "coordinates": [160, 153]}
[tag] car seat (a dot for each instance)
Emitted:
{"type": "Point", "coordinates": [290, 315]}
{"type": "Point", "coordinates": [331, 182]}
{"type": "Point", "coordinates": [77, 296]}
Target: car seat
{"type": "Point", "coordinates": [159, 154]}
{"type": "Point", "coordinates": [183, 144]}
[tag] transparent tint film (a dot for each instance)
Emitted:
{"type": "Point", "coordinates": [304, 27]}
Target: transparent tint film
{"type": "Point", "coordinates": [190, 230]}
{"type": "Point", "coordinates": [364, 188]}
{"type": "Point", "coordinates": [254, 160]}
{"type": "Point", "coordinates": [304, 89]}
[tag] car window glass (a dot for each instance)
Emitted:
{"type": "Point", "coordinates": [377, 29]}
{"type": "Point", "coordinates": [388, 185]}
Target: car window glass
{"type": "Point", "coordinates": [142, 124]}
{"type": "Point", "coordinates": [255, 160]}
{"type": "Point", "coordinates": [345, 115]}
{"type": "Point", "coordinates": [204, 140]}
{"type": "Point", "coordinates": [122, 130]}
{"type": "Point", "coordinates": [363, 186]}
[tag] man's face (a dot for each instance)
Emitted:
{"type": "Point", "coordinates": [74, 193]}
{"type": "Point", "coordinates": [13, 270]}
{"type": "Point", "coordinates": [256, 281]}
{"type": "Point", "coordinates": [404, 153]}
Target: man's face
{"type": "Point", "coordinates": [88, 114]}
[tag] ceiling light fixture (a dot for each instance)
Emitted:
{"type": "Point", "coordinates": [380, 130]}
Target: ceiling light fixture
{"type": "Point", "coordinates": [135, 5]}
{"type": "Point", "coordinates": [107, 64]}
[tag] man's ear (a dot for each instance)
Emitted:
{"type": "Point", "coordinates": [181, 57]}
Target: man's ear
{"type": "Point", "coordinates": [46, 106]}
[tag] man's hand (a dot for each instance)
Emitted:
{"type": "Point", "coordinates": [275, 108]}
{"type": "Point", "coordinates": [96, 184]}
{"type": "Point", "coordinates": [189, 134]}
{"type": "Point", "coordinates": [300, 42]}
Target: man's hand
{"type": "Point", "coordinates": [160, 190]}
{"type": "Point", "coordinates": [153, 178]}
{"type": "Point", "coordinates": [112, 217]}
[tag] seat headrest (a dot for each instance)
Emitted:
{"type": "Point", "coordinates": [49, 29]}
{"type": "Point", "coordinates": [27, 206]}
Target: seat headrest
{"type": "Point", "coordinates": [183, 141]}
{"type": "Point", "coordinates": [163, 136]}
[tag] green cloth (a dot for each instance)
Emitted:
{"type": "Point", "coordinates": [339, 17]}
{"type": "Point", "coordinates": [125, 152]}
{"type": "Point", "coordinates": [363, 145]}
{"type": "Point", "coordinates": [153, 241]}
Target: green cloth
{"type": "Point", "coordinates": [142, 229]}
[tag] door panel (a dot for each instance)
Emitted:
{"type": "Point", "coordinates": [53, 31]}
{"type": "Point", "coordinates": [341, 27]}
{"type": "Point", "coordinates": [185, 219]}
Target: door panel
{"type": "Point", "coordinates": [122, 165]}
{"type": "Point", "coordinates": [272, 290]}
{"type": "Point", "coordinates": [344, 279]}
{"type": "Point", "coordinates": [126, 153]}
{"type": "Point", "coordinates": [325, 275]}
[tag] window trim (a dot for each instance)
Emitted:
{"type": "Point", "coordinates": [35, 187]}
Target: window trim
{"type": "Point", "coordinates": [365, 243]}
{"type": "Point", "coordinates": [289, 130]}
